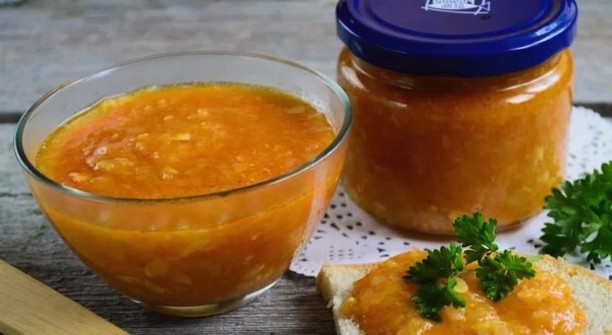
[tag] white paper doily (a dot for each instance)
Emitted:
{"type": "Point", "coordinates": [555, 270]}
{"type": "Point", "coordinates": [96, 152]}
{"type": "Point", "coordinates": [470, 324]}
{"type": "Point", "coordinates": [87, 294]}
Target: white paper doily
{"type": "Point", "coordinates": [348, 235]}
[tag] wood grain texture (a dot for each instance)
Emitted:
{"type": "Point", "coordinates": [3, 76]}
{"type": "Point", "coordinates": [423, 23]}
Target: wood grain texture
{"type": "Point", "coordinates": [43, 43]}
{"type": "Point", "coordinates": [31, 308]}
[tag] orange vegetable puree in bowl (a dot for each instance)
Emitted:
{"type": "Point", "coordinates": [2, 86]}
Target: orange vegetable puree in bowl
{"type": "Point", "coordinates": [181, 143]}
{"type": "Point", "coordinates": [380, 303]}
{"type": "Point", "coordinates": [184, 140]}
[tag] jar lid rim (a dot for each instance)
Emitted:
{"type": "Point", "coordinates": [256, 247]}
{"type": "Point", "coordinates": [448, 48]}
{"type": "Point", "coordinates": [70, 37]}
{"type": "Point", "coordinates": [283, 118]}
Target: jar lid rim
{"type": "Point", "coordinates": [458, 37]}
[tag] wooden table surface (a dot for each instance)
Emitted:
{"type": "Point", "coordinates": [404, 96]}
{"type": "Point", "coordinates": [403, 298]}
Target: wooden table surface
{"type": "Point", "coordinates": [43, 43]}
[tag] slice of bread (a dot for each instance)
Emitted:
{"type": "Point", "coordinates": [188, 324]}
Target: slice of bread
{"type": "Point", "coordinates": [592, 292]}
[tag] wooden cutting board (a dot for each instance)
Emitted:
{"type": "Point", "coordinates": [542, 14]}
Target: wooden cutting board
{"type": "Point", "coordinates": [29, 307]}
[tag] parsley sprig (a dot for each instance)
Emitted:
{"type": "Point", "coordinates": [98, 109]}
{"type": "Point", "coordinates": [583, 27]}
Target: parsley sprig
{"type": "Point", "coordinates": [476, 234]}
{"type": "Point", "coordinates": [437, 275]}
{"type": "Point", "coordinates": [499, 274]}
{"type": "Point", "coordinates": [582, 216]}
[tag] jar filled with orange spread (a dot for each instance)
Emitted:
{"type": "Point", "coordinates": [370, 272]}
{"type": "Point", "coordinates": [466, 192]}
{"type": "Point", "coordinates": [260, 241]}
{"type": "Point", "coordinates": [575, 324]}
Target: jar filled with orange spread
{"type": "Point", "coordinates": [459, 106]}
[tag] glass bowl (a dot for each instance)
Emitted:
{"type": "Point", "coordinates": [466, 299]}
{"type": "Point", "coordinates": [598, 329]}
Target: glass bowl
{"type": "Point", "coordinates": [196, 255]}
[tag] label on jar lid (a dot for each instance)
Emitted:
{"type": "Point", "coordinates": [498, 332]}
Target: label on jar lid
{"type": "Point", "coordinates": [456, 37]}
{"type": "Point", "coordinates": [459, 6]}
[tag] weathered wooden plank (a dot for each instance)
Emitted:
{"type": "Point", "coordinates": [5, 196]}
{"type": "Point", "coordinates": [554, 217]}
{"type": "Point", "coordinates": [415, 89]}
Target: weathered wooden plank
{"type": "Point", "coordinates": [43, 43]}
{"type": "Point", "coordinates": [28, 307]}
{"type": "Point", "coordinates": [12, 183]}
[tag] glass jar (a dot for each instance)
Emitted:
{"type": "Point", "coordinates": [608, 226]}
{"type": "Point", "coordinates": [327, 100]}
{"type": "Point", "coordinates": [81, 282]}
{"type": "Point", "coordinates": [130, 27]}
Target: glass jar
{"type": "Point", "coordinates": [459, 122]}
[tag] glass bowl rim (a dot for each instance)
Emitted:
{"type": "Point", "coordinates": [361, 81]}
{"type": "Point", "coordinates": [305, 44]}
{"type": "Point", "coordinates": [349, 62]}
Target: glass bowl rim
{"type": "Point", "coordinates": [32, 110]}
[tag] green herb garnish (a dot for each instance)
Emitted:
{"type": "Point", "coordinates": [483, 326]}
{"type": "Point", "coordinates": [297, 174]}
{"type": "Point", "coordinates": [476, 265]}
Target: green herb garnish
{"type": "Point", "coordinates": [476, 234]}
{"type": "Point", "coordinates": [499, 274]}
{"type": "Point", "coordinates": [436, 275]}
{"type": "Point", "coordinates": [582, 216]}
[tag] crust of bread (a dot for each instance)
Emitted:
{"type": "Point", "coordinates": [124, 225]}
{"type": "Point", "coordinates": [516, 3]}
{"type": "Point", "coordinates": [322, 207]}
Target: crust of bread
{"type": "Point", "coordinates": [592, 292]}
{"type": "Point", "coordinates": [335, 282]}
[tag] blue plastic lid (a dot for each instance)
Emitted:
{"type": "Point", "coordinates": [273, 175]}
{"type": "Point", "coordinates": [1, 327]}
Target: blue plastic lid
{"type": "Point", "coordinates": [456, 37]}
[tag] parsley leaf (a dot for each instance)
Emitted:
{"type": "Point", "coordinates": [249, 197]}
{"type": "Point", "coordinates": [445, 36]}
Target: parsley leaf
{"type": "Point", "coordinates": [436, 276]}
{"type": "Point", "coordinates": [582, 216]}
{"type": "Point", "coordinates": [439, 264]}
{"type": "Point", "coordinates": [477, 234]}
{"type": "Point", "coordinates": [500, 274]}
{"type": "Point", "coordinates": [430, 299]}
